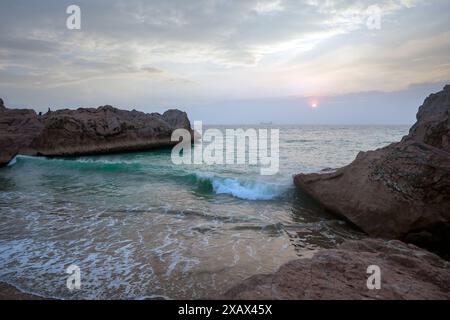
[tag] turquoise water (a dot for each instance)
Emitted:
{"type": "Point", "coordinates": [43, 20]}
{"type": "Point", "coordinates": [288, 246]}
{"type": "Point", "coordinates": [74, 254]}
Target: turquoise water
{"type": "Point", "coordinates": [140, 227]}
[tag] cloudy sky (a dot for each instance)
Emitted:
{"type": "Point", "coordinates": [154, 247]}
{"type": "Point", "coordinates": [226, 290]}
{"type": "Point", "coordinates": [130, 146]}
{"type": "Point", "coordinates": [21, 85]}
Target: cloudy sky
{"type": "Point", "coordinates": [229, 61]}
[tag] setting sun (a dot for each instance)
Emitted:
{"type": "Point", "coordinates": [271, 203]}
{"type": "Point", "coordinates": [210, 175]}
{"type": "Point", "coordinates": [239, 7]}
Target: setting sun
{"type": "Point", "coordinates": [314, 104]}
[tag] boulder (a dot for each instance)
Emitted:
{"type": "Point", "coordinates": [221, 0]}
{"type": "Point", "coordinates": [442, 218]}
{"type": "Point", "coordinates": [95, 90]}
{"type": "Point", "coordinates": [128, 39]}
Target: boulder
{"type": "Point", "coordinates": [398, 191]}
{"type": "Point", "coordinates": [406, 272]}
{"type": "Point", "coordinates": [86, 131]}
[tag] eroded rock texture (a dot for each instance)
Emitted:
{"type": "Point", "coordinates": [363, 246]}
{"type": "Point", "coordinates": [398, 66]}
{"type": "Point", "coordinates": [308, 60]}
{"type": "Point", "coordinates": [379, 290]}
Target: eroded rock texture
{"type": "Point", "coordinates": [85, 131]}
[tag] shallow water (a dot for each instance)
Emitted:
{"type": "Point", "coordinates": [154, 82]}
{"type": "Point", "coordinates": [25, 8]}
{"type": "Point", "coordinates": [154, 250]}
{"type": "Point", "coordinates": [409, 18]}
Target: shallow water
{"type": "Point", "coordinates": [140, 227]}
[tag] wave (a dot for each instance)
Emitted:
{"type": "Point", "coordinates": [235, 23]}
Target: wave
{"type": "Point", "coordinates": [18, 157]}
{"type": "Point", "coordinates": [209, 182]}
{"type": "Point", "coordinates": [74, 161]}
{"type": "Point", "coordinates": [242, 189]}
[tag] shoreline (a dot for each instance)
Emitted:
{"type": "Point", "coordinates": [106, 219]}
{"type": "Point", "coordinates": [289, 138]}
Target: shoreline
{"type": "Point", "coordinates": [10, 292]}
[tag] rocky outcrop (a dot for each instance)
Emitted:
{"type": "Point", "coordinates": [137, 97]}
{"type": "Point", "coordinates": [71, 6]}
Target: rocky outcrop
{"type": "Point", "coordinates": [407, 272]}
{"type": "Point", "coordinates": [85, 131]}
{"type": "Point", "coordinates": [18, 128]}
{"type": "Point", "coordinates": [401, 191]}
{"type": "Point", "coordinates": [433, 121]}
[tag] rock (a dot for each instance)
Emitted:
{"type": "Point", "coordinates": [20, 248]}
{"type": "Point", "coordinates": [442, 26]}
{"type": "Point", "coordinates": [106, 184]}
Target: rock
{"type": "Point", "coordinates": [407, 272]}
{"type": "Point", "coordinates": [18, 128]}
{"type": "Point", "coordinates": [2, 106]}
{"type": "Point", "coordinates": [401, 189]}
{"type": "Point", "coordinates": [86, 131]}
{"type": "Point", "coordinates": [433, 125]}
{"type": "Point", "coordinates": [177, 120]}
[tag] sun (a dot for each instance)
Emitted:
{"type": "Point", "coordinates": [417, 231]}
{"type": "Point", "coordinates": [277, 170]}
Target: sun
{"type": "Point", "coordinates": [313, 103]}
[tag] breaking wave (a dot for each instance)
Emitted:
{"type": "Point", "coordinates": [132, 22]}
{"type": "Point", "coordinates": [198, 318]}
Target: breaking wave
{"type": "Point", "coordinates": [242, 189]}
{"type": "Point", "coordinates": [99, 163]}
{"type": "Point", "coordinates": [209, 182]}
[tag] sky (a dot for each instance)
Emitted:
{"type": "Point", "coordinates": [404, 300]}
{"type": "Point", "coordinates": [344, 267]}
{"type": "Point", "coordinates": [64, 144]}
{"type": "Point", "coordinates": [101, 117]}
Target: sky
{"type": "Point", "coordinates": [224, 61]}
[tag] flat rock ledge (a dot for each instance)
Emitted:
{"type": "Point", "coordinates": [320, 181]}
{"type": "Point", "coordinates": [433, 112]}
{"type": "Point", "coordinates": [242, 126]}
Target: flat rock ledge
{"type": "Point", "coordinates": [407, 272]}
{"type": "Point", "coordinates": [85, 131]}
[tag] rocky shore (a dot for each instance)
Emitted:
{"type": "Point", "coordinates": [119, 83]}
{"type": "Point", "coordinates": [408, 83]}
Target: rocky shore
{"type": "Point", "coordinates": [84, 131]}
{"type": "Point", "coordinates": [407, 272]}
{"type": "Point", "coordinates": [399, 195]}
{"type": "Point", "coordinates": [399, 192]}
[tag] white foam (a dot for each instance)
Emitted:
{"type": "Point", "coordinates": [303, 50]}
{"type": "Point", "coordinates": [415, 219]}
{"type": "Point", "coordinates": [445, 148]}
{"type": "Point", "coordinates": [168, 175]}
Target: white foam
{"type": "Point", "coordinates": [12, 162]}
{"type": "Point", "coordinates": [103, 161]}
{"type": "Point", "coordinates": [247, 190]}
{"type": "Point", "coordinates": [18, 157]}
{"type": "Point", "coordinates": [79, 160]}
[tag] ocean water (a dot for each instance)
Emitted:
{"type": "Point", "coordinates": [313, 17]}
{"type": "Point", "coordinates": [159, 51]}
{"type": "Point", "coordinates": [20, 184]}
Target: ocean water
{"type": "Point", "coordinates": [140, 227]}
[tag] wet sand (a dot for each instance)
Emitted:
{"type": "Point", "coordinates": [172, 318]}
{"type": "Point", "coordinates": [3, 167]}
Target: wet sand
{"type": "Point", "coordinates": [8, 292]}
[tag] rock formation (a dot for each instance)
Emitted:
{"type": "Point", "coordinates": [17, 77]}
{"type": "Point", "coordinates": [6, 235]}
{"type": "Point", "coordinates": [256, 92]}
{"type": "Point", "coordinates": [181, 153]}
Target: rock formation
{"type": "Point", "coordinates": [407, 272]}
{"type": "Point", "coordinates": [18, 128]}
{"type": "Point", "coordinates": [401, 191]}
{"type": "Point", "coordinates": [85, 131]}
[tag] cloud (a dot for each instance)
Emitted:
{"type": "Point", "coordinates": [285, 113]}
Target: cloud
{"type": "Point", "coordinates": [269, 6]}
{"type": "Point", "coordinates": [215, 49]}
{"type": "Point", "coordinates": [152, 70]}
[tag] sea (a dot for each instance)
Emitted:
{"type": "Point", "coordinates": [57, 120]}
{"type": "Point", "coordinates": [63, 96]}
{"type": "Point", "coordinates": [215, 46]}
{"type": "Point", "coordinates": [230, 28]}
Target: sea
{"type": "Point", "coordinates": [138, 226]}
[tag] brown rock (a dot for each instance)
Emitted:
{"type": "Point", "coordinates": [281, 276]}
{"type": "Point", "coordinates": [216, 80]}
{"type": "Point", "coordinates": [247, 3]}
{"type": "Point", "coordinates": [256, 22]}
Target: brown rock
{"type": "Point", "coordinates": [433, 125]}
{"type": "Point", "coordinates": [105, 130]}
{"type": "Point", "coordinates": [177, 119]}
{"type": "Point", "coordinates": [407, 272]}
{"type": "Point", "coordinates": [398, 190]}
{"type": "Point", "coordinates": [86, 131]}
{"type": "Point", "coordinates": [18, 128]}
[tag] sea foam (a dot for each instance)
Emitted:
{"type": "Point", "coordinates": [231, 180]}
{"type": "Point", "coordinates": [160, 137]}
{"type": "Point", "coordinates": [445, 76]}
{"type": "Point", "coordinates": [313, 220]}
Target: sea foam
{"type": "Point", "coordinates": [243, 189]}
{"type": "Point", "coordinates": [69, 161]}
